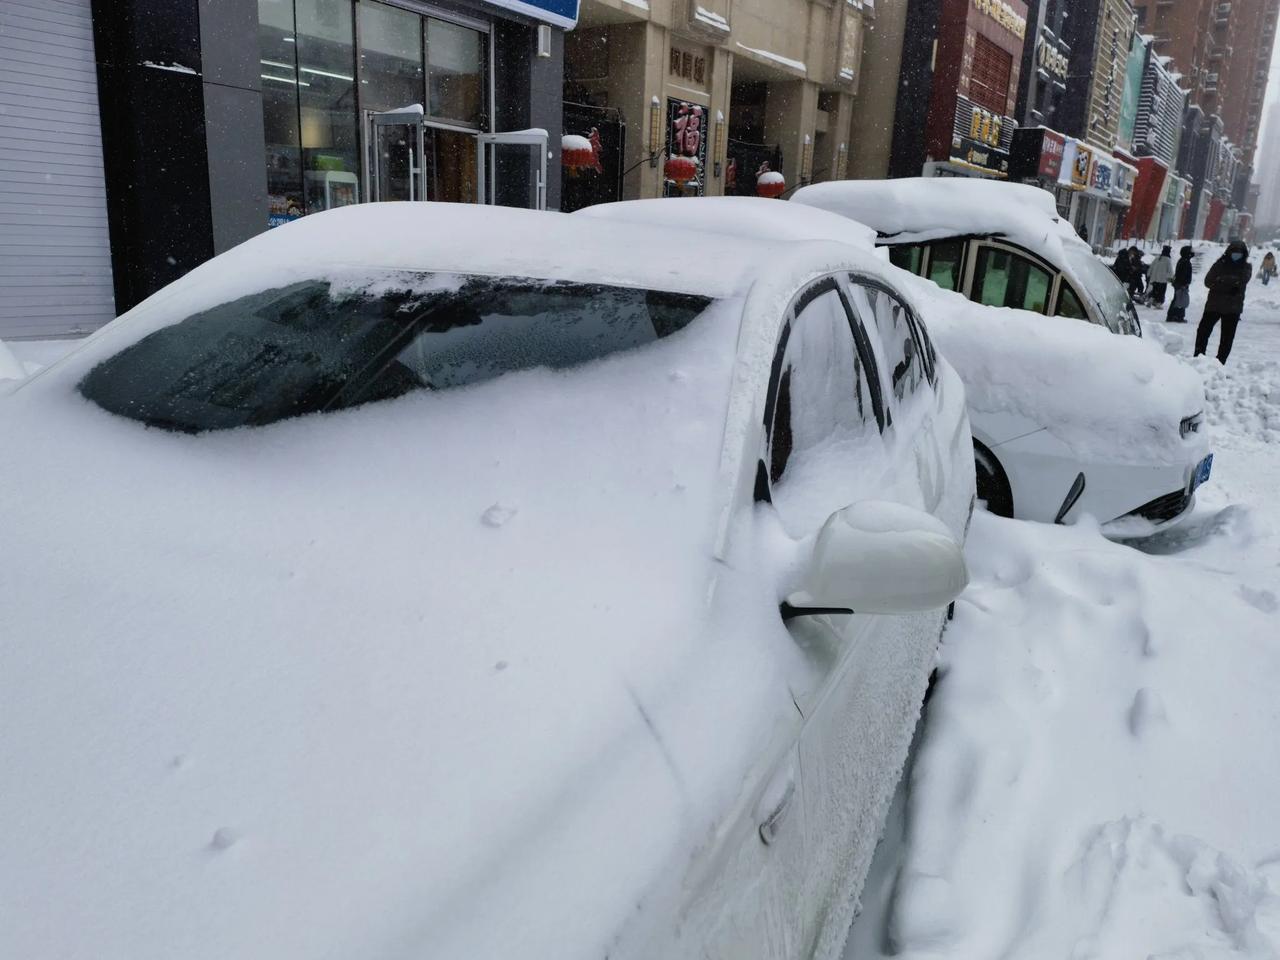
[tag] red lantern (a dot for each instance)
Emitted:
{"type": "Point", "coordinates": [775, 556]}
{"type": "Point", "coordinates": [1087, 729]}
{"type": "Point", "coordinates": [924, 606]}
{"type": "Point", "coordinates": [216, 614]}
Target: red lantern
{"type": "Point", "coordinates": [770, 184]}
{"type": "Point", "coordinates": [680, 170]}
{"type": "Point", "coordinates": [576, 153]}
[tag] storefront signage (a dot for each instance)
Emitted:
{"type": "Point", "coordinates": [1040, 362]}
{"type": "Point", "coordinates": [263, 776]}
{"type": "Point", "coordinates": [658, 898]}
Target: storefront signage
{"type": "Point", "coordinates": [977, 154]}
{"type": "Point", "coordinates": [1050, 58]}
{"type": "Point", "coordinates": [1102, 174]}
{"type": "Point", "coordinates": [1052, 147]}
{"type": "Point", "coordinates": [1004, 15]}
{"type": "Point", "coordinates": [1123, 180]}
{"type": "Point", "coordinates": [560, 13]}
{"type": "Point", "coordinates": [687, 137]}
{"type": "Point", "coordinates": [1081, 166]}
{"type": "Point", "coordinates": [688, 66]}
{"type": "Point", "coordinates": [985, 127]}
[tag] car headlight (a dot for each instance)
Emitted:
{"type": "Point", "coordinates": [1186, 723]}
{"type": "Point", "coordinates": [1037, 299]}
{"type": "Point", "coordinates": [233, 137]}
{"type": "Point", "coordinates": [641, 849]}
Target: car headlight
{"type": "Point", "coordinates": [1191, 424]}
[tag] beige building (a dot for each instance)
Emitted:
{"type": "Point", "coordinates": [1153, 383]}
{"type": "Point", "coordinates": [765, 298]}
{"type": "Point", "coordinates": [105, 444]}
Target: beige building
{"type": "Point", "coordinates": [731, 85]}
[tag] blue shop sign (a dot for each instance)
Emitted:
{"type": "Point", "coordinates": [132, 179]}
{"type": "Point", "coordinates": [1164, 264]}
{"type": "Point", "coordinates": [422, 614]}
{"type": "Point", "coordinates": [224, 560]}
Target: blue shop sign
{"type": "Point", "coordinates": [560, 13]}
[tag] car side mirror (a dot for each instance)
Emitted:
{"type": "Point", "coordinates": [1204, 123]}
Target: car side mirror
{"type": "Point", "coordinates": [880, 557]}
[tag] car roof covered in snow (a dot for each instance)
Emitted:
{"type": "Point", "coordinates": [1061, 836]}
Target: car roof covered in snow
{"type": "Point", "coordinates": [927, 208]}
{"type": "Point", "coordinates": [741, 217]}
{"type": "Point", "coordinates": [502, 241]}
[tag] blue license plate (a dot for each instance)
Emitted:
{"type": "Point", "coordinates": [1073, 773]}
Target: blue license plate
{"type": "Point", "coordinates": [1202, 472]}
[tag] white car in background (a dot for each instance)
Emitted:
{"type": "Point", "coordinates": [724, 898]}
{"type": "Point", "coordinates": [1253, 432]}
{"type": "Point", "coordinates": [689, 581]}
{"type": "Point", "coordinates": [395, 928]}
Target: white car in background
{"type": "Point", "coordinates": [1067, 418]}
{"type": "Point", "coordinates": [999, 244]}
{"type": "Point", "coordinates": [445, 581]}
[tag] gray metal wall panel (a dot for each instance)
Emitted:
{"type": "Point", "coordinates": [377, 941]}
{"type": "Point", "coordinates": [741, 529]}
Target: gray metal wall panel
{"type": "Point", "coordinates": [55, 251]}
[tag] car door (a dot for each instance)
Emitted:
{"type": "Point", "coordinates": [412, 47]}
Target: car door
{"type": "Point", "coordinates": [860, 717]}
{"type": "Point", "coordinates": [825, 417]}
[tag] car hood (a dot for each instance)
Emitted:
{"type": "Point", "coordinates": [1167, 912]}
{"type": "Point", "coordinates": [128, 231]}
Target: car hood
{"type": "Point", "coordinates": [371, 683]}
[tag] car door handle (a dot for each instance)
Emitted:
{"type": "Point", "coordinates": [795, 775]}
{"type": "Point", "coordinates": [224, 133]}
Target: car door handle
{"type": "Point", "coordinates": [772, 823]}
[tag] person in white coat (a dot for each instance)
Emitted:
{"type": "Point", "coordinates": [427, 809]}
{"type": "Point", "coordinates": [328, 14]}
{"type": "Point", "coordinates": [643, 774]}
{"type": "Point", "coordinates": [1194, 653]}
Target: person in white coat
{"type": "Point", "coordinates": [1159, 274]}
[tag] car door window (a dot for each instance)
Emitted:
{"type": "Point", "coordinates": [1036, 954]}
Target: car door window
{"type": "Point", "coordinates": [1069, 304]}
{"type": "Point", "coordinates": [946, 259]}
{"type": "Point", "coordinates": [1002, 278]}
{"type": "Point", "coordinates": [823, 430]}
{"type": "Point", "coordinates": [904, 363]}
{"type": "Point", "coordinates": [907, 256]}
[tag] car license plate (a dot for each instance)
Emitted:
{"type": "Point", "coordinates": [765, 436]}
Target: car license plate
{"type": "Point", "coordinates": [1202, 472]}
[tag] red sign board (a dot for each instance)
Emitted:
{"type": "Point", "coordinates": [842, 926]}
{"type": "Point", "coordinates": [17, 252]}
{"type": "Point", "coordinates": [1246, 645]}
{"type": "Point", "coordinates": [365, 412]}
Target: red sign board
{"type": "Point", "coordinates": [1051, 149]}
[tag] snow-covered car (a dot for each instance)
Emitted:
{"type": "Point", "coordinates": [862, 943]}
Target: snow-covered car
{"type": "Point", "coordinates": [445, 581]}
{"type": "Point", "coordinates": [1067, 419]}
{"type": "Point", "coordinates": [999, 244]}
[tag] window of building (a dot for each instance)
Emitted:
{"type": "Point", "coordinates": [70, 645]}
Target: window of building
{"type": "Point", "coordinates": [989, 80]}
{"type": "Point", "coordinates": [907, 256]}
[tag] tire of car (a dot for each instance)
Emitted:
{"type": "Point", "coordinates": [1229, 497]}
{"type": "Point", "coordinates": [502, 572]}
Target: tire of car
{"type": "Point", "coordinates": [993, 483]}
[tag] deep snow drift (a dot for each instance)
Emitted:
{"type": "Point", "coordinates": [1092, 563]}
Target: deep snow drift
{"type": "Point", "coordinates": [1096, 775]}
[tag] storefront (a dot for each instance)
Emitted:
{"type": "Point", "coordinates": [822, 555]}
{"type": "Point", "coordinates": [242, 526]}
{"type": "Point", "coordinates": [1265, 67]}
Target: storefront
{"type": "Point", "coordinates": [747, 97]}
{"type": "Point", "coordinates": [374, 100]}
{"type": "Point", "coordinates": [223, 119]}
{"type": "Point", "coordinates": [969, 127]}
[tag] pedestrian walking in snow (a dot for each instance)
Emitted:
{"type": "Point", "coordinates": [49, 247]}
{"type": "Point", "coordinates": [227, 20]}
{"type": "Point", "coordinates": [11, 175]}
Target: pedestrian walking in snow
{"type": "Point", "coordinates": [1123, 267]}
{"type": "Point", "coordinates": [1226, 281]}
{"type": "Point", "coordinates": [1268, 268]}
{"type": "Point", "coordinates": [1137, 273]}
{"type": "Point", "coordinates": [1181, 287]}
{"type": "Point", "coordinates": [1160, 273]}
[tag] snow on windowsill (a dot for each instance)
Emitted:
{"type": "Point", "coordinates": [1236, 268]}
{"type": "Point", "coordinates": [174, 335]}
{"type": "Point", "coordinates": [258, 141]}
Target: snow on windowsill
{"type": "Point", "coordinates": [171, 67]}
{"type": "Point", "coordinates": [776, 58]}
{"type": "Point", "coordinates": [711, 19]}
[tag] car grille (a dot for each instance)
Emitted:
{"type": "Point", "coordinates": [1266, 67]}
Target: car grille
{"type": "Point", "coordinates": [1191, 424]}
{"type": "Point", "coordinates": [1163, 508]}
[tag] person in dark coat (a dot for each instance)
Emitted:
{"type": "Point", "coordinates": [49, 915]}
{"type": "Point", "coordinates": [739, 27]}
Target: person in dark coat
{"type": "Point", "coordinates": [1181, 287]}
{"type": "Point", "coordinates": [1226, 281]}
{"type": "Point", "coordinates": [1137, 274]}
{"type": "Point", "coordinates": [1123, 267]}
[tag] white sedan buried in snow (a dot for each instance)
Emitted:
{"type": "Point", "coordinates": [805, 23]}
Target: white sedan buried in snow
{"type": "Point", "coordinates": [423, 580]}
{"type": "Point", "coordinates": [1068, 419]}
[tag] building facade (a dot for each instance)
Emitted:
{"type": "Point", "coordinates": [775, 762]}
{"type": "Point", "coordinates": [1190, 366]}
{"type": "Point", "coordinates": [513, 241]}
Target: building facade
{"type": "Point", "coordinates": [960, 67]}
{"type": "Point", "coordinates": [198, 125]}
{"type": "Point", "coordinates": [701, 98]}
{"type": "Point", "coordinates": [1046, 59]}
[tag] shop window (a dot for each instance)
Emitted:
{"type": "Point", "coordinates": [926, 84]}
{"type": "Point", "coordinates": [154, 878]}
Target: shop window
{"type": "Point", "coordinates": [1004, 279]}
{"type": "Point", "coordinates": [391, 59]}
{"type": "Point", "coordinates": [946, 260]}
{"type": "Point", "coordinates": [455, 73]}
{"type": "Point", "coordinates": [309, 106]}
{"type": "Point", "coordinates": [989, 81]}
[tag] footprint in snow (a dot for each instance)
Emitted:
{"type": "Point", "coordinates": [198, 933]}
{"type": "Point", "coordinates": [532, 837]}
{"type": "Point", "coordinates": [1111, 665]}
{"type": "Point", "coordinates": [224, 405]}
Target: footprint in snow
{"type": "Point", "coordinates": [497, 515]}
{"type": "Point", "coordinates": [1263, 600]}
{"type": "Point", "coordinates": [1147, 711]}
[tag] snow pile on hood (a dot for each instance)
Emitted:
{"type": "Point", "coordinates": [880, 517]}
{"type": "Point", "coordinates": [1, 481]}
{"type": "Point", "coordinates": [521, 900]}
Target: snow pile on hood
{"type": "Point", "coordinates": [1094, 776]}
{"type": "Point", "coordinates": [1117, 399]}
{"type": "Point", "coordinates": [926, 208]}
{"type": "Point", "coordinates": [433, 676]}
{"type": "Point", "coordinates": [742, 217]}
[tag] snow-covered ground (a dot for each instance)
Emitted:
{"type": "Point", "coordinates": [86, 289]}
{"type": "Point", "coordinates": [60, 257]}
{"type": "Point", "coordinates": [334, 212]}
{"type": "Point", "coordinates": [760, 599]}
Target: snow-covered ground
{"type": "Point", "coordinates": [1097, 774]}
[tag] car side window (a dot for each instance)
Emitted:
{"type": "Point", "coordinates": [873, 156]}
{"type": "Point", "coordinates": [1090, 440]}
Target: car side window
{"type": "Point", "coordinates": [1069, 304]}
{"type": "Point", "coordinates": [1002, 278]}
{"type": "Point", "coordinates": [946, 261]}
{"type": "Point", "coordinates": [907, 256]}
{"type": "Point", "coordinates": [820, 417]}
{"type": "Point", "coordinates": [905, 365]}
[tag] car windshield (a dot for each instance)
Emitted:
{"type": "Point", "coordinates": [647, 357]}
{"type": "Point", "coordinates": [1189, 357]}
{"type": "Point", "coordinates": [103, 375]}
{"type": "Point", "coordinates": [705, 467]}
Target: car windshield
{"type": "Point", "coordinates": [1107, 292]}
{"type": "Point", "coordinates": [322, 345]}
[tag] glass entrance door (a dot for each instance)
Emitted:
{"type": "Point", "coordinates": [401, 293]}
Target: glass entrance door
{"type": "Point", "coordinates": [504, 165]}
{"type": "Point", "coordinates": [397, 144]}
